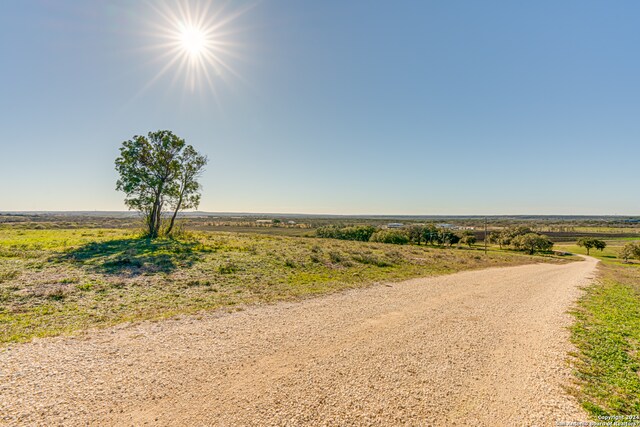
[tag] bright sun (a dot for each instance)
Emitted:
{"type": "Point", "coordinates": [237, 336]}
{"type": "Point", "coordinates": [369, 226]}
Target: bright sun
{"type": "Point", "coordinates": [193, 40]}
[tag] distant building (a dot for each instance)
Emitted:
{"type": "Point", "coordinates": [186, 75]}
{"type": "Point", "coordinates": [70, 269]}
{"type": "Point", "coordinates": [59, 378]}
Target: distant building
{"type": "Point", "coordinates": [291, 222]}
{"type": "Point", "coordinates": [395, 225]}
{"type": "Point", "coordinates": [454, 227]}
{"type": "Point", "coordinates": [443, 225]}
{"type": "Point", "coordinates": [264, 221]}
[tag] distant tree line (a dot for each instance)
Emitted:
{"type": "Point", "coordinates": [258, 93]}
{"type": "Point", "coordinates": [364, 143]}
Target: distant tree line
{"type": "Point", "coordinates": [416, 234]}
{"type": "Point", "coordinates": [517, 238]}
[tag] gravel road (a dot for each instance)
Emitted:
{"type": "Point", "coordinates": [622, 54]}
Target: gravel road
{"type": "Point", "coordinates": [476, 348]}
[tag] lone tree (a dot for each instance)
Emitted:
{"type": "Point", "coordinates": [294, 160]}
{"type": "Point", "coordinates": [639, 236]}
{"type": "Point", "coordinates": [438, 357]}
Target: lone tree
{"type": "Point", "coordinates": [630, 250]}
{"type": "Point", "coordinates": [468, 238]}
{"type": "Point", "coordinates": [159, 172]}
{"type": "Point", "coordinates": [589, 243]}
{"type": "Point", "coordinates": [599, 244]}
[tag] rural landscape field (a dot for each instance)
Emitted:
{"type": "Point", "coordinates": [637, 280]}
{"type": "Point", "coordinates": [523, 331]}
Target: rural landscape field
{"type": "Point", "coordinates": [72, 275]}
{"type": "Point", "coordinates": [297, 213]}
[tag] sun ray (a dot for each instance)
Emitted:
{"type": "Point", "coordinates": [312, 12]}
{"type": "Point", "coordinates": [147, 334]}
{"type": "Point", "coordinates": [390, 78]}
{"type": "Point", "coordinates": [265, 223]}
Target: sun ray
{"type": "Point", "coordinates": [194, 42]}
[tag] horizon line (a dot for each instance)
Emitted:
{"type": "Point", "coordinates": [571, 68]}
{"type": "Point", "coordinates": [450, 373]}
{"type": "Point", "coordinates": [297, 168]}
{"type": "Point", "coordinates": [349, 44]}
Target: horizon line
{"type": "Point", "coordinates": [399, 215]}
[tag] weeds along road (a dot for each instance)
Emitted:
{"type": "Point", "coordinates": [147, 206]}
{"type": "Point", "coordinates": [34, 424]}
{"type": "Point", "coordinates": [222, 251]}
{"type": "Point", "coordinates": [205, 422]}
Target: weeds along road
{"type": "Point", "coordinates": [484, 347]}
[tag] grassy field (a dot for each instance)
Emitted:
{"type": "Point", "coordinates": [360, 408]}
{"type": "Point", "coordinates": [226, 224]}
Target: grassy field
{"type": "Point", "coordinates": [607, 335]}
{"type": "Point", "coordinates": [66, 280]}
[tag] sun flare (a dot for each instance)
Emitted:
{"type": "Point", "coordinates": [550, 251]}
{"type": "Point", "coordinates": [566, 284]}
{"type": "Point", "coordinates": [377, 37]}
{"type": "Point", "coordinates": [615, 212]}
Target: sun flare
{"type": "Point", "coordinates": [194, 42]}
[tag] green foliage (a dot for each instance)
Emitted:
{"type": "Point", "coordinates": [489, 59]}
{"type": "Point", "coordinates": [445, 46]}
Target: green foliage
{"type": "Point", "coordinates": [494, 237]}
{"type": "Point", "coordinates": [599, 244]}
{"type": "Point", "coordinates": [416, 234]}
{"type": "Point", "coordinates": [505, 237]}
{"type": "Point", "coordinates": [430, 234]}
{"type": "Point", "coordinates": [361, 233]}
{"type": "Point", "coordinates": [589, 243]}
{"type": "Point", "coordinates": [532, 243]}
{"type": "Point", "coordinates": [607, 335]}
{"type": "Point", "coordinates": [630, 251]}
{"type": "Point", "coordinates": [468, 238]}
{"type": "Point", "coordinates": [447, 237]}
{"type": "Point", "coordinates": [396, 237]}
{"type": "Point", "coordinates": [158, 172]}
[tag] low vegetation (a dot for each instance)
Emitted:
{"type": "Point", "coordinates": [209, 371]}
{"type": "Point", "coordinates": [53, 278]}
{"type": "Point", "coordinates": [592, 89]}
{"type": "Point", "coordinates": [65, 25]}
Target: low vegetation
{"type": "Point", "coordinates": [607, 331]}
{"type": "Point", "coordinates": [516, 238]}
{"type": "Point", "coordinates": [607, 335]}
{"type": "Point", "coordinates": [61, 281]}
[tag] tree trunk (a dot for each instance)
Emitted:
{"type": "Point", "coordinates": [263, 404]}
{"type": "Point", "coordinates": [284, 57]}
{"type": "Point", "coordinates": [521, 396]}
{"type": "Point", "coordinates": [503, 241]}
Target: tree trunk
{"type": "Point", "coordinates": [156, 232]}
{"type": "Point", "coordinates": [151, 221]}
{"type": "Point", "coordinates": [173, 217]}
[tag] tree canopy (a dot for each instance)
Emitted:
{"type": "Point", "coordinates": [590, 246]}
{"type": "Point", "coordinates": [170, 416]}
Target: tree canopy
{"type": "Point", "coordinates": [159, 174]}
{"type": "Point", "coordinates": [589, 243]}
{"type": "Point", "coordinates": [532, 242]}
{"type": "Point", "coordinates": [629, 251]}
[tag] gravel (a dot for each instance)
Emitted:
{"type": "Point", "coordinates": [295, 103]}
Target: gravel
{"type": "Point", "coordinates": [477, 348]}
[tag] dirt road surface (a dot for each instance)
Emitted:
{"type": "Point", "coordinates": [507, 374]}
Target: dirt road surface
{"type": "Point", "coordinates": [483, 348]}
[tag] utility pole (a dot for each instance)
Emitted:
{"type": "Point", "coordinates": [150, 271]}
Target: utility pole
{"type": "Point", "coordinates": [485, 235]}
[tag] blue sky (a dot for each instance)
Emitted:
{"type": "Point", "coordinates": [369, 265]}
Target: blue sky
{"type": "Point", "coordinates": [354, 107]}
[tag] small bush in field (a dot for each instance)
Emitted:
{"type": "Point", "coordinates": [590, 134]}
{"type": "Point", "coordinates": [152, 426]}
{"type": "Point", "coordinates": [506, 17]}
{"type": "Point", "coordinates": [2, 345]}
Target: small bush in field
{"type": "Point", "coordinates": [336, 257]}
{"type": "Point", "coordinates": [371, 259]}
{"type": "Point", "coordinates": [228, 267]}
{"type": "Point", "coordinates": [316, 258]}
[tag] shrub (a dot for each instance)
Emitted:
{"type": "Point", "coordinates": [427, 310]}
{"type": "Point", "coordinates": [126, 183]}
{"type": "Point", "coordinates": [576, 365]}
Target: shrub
{"type": "Point", "coordinates": [315, 257]}
{"type": "Point", "coordinates": [228, 267]}
{"type": "Point", "coordinates": [57, 293]}
{"type": "Point", "coordinates": [396, 237]}
{"type": "Point", "coordinates": [360, 233]}
{"type": "Point", "coordinates": [371, 259]}
{"type": "Point", "coordinates": [336, 257]}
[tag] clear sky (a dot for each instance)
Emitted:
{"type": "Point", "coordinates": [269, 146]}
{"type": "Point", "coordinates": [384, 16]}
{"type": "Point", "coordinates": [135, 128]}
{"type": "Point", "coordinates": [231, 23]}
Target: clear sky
{"type": "Point", "coordinates": [380, 107]}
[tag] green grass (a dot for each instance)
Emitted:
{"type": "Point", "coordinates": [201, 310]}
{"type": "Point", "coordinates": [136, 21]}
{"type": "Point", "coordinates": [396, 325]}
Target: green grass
{"type": "Point", "coordinates": [61, 281]}
{"type": "Point", "coordinates": [607, 335]}
{"type": "Point", "coordinates": [608, 256]}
